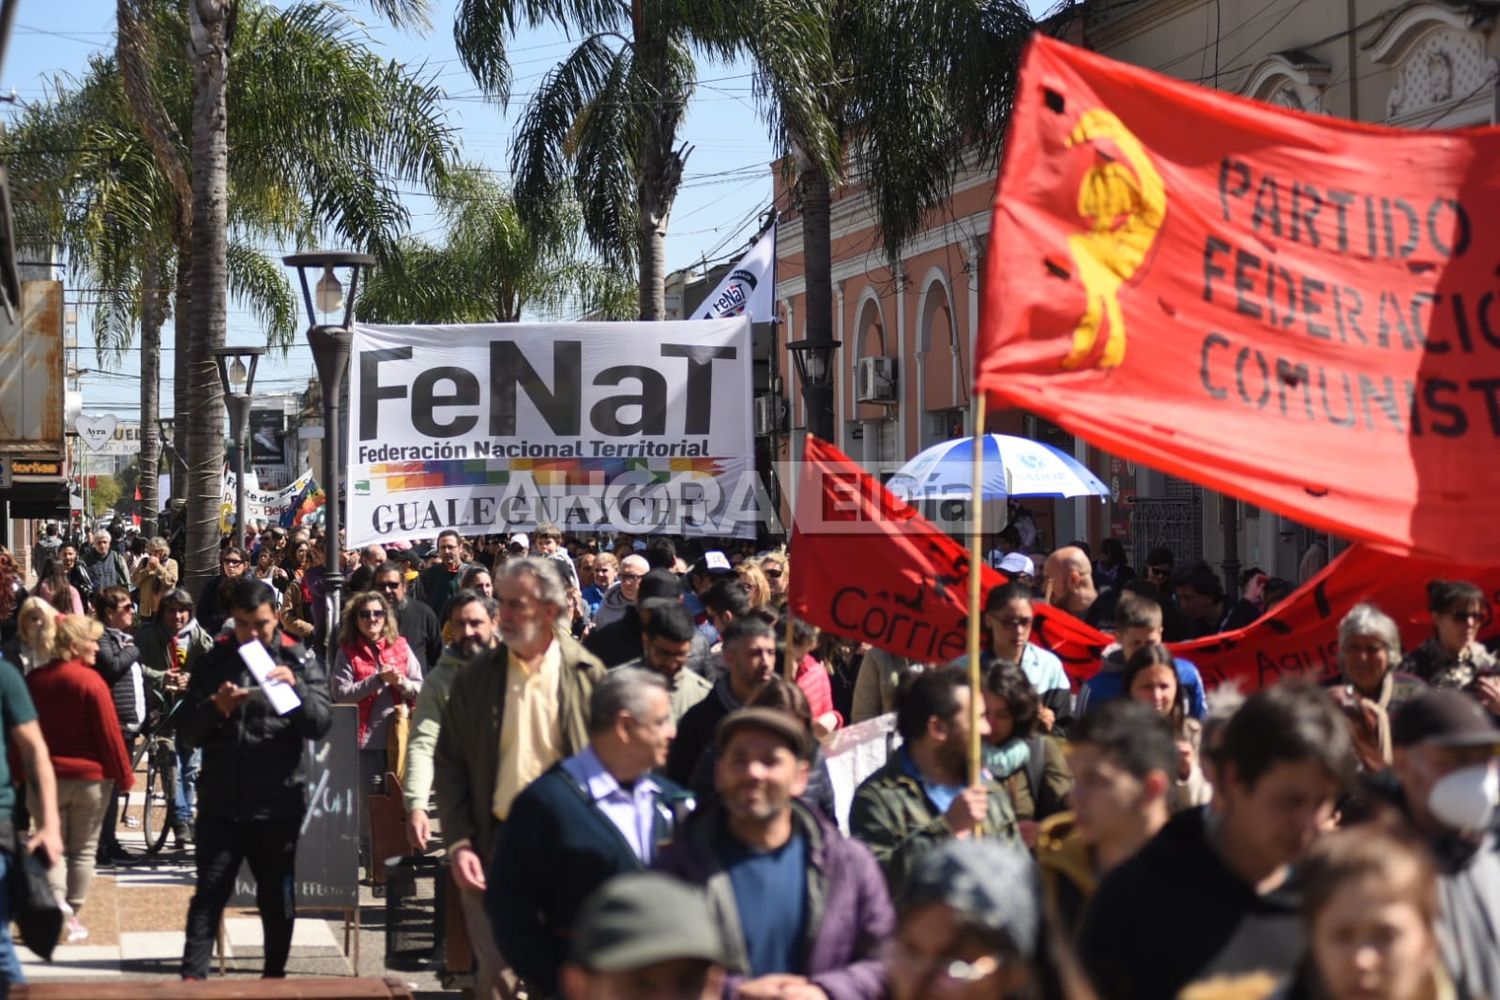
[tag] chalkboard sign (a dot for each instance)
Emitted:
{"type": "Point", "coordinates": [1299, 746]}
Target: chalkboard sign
{"type": "Point", "coordinates": [328, 850]}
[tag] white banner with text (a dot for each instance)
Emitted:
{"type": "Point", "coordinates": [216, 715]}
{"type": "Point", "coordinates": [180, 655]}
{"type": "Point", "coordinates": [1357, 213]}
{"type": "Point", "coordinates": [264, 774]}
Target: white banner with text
{"type": "Point", "coordinates": [639, 427]}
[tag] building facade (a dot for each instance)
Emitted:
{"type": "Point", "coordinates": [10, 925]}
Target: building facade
{"type": "Point", "coordinates": [1410, 65]}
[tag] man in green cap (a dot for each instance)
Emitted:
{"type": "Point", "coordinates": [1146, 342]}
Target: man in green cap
{"type": "Point", "coordinates": [645, 934]}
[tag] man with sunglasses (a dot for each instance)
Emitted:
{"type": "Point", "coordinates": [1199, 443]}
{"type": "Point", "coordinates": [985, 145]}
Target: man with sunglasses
{"type": "Point", "coordinates": [414, 620]}
{"type": "Point", "coordinates": [623, 594]}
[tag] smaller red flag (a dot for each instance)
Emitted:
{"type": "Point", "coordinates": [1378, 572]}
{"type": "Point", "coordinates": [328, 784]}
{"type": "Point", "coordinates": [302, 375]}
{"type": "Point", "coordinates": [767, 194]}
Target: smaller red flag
{"type": "Point", "coordinates": [870, 568]}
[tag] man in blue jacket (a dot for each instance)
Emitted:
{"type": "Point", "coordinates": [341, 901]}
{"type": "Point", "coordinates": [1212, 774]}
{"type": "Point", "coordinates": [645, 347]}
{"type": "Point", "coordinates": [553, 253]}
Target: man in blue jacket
{"type": "Point", "coordinates": [593, 816]}
{"type": "Point", "coordinates": [1138, 624]}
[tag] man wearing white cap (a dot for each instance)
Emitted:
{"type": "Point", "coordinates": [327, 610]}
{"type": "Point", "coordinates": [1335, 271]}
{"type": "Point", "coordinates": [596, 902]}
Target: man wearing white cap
{"type": "Point", "coordinates": [1019, 567]}
{"type": "Point", "coordinates": [714, 566]}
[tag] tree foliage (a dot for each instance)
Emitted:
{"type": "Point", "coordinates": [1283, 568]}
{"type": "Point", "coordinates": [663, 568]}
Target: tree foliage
{"type": "Point", "coordinates": [602, 126]}
{"type": "Point", "coordinates": [491, 266]}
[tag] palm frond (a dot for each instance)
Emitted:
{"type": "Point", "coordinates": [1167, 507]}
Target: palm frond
{"type": "Point", "coordinates": [262, 285]}
{"type": "Point", "coordinates": [482, 28]}
{"type": "Point", "coordinates": [910, 129]}
{"type": "Point", "coordinates": [566, 106]}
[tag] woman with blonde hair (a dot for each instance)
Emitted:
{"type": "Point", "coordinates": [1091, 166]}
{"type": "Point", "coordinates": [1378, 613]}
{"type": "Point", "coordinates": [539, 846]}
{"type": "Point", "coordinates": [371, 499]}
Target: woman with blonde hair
{"type": "Point", "coordinates": [82, 730]}
{"type": "Point", "coordinates": [755, 582]}
{"type": "Point", "coordinates": [36, 624]}
{"type": "Point", "coordinates": [376, 670]}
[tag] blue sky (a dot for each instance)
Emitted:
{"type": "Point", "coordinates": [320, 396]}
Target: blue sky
{"type": "Point", "coordinates": [726, 187]}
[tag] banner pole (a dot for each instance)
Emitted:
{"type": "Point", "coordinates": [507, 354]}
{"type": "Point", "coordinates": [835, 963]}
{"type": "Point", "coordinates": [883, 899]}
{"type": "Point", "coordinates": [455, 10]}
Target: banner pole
{"type": "Point", "coordinates": [790, 668]}
{"type": "Point", "coordinates": [976, 563]}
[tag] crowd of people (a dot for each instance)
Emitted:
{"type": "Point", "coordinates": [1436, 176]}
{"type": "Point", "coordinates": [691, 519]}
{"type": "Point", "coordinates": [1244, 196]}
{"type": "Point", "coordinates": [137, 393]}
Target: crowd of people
{"type": "Point", "coordinates": [620, 752]}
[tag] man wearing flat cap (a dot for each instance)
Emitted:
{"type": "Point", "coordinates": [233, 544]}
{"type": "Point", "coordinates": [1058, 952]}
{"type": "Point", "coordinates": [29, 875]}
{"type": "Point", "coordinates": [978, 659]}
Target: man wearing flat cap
{"type": "Point", "coordinates": [801, 908]}
{"type": "Point", "coordinates": [645, 935]}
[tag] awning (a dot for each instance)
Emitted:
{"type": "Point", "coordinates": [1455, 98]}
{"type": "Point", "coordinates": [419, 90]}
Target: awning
{"type": "Point", "coordinates": [47, 500]}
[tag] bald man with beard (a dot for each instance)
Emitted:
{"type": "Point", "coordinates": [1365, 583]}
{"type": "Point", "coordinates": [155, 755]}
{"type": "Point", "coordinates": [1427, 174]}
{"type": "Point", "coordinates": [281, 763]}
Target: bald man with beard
{"type": "Point", "coordinates": [1070, 586]}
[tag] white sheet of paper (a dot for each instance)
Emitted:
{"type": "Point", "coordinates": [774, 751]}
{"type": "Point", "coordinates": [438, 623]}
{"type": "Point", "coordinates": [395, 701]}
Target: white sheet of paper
{"type": "Point", "coordinates": [282, 696]}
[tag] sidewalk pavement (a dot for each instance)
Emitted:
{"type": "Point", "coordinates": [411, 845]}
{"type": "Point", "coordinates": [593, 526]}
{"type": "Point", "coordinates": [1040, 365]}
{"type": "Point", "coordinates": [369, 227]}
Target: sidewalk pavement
{"type": "Point", "coordinates": [135, 916]}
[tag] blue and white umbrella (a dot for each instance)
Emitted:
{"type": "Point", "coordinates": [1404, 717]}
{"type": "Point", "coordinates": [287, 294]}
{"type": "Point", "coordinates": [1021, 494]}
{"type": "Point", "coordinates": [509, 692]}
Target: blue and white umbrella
{"type": "Point", "coordinates": [1013, 467]}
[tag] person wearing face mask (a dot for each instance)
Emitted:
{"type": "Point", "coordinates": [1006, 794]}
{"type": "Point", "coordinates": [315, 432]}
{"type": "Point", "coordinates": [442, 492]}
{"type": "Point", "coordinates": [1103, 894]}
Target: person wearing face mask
{"type": "Point", "coordinates": [1444, 765]}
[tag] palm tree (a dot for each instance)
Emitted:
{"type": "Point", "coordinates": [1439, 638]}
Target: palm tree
{"type": "Point", "coordinates": [919, 90]}
{"type": "Point", "coordinates": [491, 267]}
{"type": "Point", "coordinates": [605, 121]}
{"type": "Point", "coordinates": [323, 131]}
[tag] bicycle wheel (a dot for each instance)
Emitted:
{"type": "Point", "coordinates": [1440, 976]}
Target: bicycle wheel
{"type": "Point", "coordinates": [156, 812]}
{"type": "Point", "coordinates": [149, 804]}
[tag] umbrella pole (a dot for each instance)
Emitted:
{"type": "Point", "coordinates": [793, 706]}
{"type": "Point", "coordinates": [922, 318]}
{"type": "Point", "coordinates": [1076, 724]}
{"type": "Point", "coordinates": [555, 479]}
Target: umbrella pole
{"type": "Point", "coordinates": [976, 564]}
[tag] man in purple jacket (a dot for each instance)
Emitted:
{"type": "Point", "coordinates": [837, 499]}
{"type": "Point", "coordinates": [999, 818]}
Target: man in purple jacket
{"type": "Point", "coordinates": [802, 909]}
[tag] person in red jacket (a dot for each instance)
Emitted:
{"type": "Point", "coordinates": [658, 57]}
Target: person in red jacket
{"type": "Point", "coordinates": [82, 731]}
{"type": "Point", "coordinates": [812, 678]}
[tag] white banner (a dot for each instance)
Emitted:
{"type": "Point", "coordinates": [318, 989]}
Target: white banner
{"type": "Point", "coordinates": [265, 506]}
{"type": "Point", "coordinates": [853, 754]}
{"type": "Point", "coordinates": [749, 289]}
{"type": "Point", "coordinates": [641, 427]}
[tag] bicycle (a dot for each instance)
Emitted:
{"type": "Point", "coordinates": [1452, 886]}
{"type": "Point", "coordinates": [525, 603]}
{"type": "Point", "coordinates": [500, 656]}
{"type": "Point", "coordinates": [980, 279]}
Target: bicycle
{"type": "Point", "coordinates": [158, 805]}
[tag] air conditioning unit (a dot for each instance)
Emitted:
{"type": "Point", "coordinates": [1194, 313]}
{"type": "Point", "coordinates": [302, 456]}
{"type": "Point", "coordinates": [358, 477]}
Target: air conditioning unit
{"type": "Point", "coordinates": [875, 380]}
{"type": "Point", "coordinates": [770, 415]}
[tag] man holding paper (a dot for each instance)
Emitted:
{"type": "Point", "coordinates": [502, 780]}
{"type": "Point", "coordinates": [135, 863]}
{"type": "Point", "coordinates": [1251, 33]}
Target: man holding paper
{"type": "Point", "coordinates": [251, 702]}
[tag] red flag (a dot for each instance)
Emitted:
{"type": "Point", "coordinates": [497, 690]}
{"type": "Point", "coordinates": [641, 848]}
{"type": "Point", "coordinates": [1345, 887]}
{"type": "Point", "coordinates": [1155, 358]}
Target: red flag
{"type": "Point", "coordinates": [1300, 635]}
{"type": "Point", "coordinates": [1293, 309]}
{"type": "Point", "coordinates": [872, 569]}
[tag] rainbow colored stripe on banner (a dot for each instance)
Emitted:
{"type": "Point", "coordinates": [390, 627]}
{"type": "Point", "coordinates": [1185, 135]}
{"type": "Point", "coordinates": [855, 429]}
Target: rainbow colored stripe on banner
{"type": "Point", "coordinates": [401, 477]}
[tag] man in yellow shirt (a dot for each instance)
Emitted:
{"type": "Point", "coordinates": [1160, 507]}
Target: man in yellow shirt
{"type": "Point", "coordinates": [513, 712]}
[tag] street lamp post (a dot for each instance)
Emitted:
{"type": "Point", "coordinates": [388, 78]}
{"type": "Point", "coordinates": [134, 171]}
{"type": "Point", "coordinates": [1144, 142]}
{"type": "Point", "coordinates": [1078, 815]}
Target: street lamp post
{"type": "Point", "coordinates": [235, 374]}
{"type": "Point", "coordinates": [330, 346]}
{"type": "Point", "coordinates": [815, 369]}
{"type": "Point", "coordinates": [164, 426]}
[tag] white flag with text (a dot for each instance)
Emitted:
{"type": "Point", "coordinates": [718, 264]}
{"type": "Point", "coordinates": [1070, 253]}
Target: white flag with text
{"type": "Point", "coordinates": [749, 289]}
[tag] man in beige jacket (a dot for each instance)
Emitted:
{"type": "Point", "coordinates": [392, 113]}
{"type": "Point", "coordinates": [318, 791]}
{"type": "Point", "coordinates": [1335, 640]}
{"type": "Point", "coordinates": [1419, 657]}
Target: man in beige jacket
{"type": "Point", "coordinates": [511, 714]}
